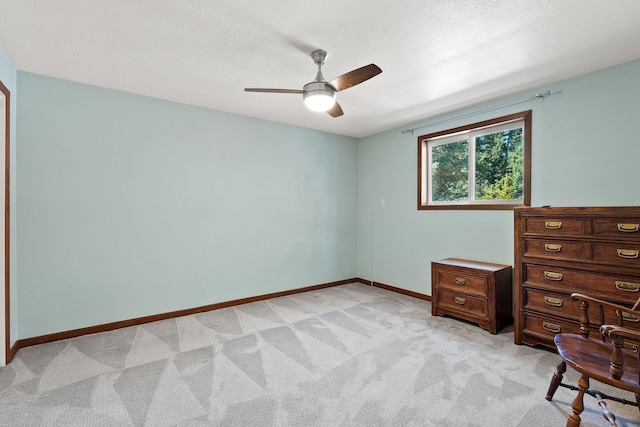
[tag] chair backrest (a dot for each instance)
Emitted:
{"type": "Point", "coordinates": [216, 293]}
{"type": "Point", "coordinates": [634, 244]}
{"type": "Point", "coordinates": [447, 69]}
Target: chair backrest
{"type": "Point", "coordinates": [612, 321]}
{"type": "Point", "coordinates": [595, 312]}
{"type": "Point", "coordinates": [618, 335]}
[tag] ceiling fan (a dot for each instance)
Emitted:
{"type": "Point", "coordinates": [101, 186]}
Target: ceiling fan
{"type": "Point", "coordinates": [320, 95]}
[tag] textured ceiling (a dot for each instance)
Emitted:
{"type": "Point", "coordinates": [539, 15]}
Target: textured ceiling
{"type": "Point", "coordinates": [436, 55]}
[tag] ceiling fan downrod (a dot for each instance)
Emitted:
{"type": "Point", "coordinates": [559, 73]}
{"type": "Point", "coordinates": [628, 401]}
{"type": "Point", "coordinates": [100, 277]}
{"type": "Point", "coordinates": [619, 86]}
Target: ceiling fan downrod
{"type": "Point", "coordinates": [319, 57]}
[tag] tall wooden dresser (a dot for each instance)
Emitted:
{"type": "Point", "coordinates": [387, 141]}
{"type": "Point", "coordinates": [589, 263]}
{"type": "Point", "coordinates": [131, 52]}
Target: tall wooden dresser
{"type": "Point", "coordinates": [558, 251]}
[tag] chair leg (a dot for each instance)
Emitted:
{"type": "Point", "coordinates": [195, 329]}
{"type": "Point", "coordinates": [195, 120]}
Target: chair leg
{"type": "Point", "coordinates": [578, 402]}
{"type": "Point", "coordinates": [556, 379]}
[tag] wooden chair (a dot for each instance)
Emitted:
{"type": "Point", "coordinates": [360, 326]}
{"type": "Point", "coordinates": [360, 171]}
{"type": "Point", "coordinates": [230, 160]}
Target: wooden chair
{"type": "Point", "coordinates": [612, 358]}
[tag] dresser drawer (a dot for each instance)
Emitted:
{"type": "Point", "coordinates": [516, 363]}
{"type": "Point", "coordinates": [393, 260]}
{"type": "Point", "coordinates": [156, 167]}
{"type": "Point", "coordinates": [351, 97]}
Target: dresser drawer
{"type": "Point", "coordinates": [462, 303]}
{"type": "Point", "coordinates": [462, 281]}
{"type": "Point", "coordinates": [542, 330]}
{"type": "Point", "coordinates": [622, 254]}
{"type": "Point", "coordinates": [546, 328]}
{"type": "Point", "coordinates": [623, 289]}
{"type": "Point", "coordinates": [623, 228]}
{"type": "Point", "coordinates": [556, 226]}
{"type": "Point", "coordinates": [557, 249]}
{"type": "Point", "coordinates": [561, 305]}
{"type": "Point", "coordinates": [552, 303]}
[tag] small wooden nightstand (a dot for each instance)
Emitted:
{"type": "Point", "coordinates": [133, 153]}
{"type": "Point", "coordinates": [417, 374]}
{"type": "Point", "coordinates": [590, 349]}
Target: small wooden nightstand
{"type": "Point", "coordinates": [479, 292]}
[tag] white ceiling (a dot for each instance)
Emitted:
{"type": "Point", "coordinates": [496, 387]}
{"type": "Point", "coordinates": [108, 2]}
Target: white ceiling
{"type": "Point", "coordinates": [436, 55]}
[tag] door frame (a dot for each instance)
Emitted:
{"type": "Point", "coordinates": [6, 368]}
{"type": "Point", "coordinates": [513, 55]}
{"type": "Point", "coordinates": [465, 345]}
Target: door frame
{"type": "Point", "coordinates": [5, 356]}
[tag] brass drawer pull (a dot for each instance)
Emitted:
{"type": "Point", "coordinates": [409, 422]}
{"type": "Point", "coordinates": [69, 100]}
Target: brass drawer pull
{"type": "Point", "coordinates": [631, 347]}
{"type": "Point", "coordinates": [553, 276]}
{"type": "Point", "coordinates": [556, 248]}
{"type": "Point", "coordinates": [460, 281]}
{"type": "Point", "coordinates": [628, 253]}
{"type": "Point", "coordinates": [551, 327]}
{"type": "Point", "coordinates": [627, 286]}
{"type": "Point", "coordinates": [555, 302]}
{"type": "Point", "coordinates": [628, 317]}
{"type": "Point", "coordinates": [628, 228]}
{"type": "Point", "coordinates": [460, 301]}
{"type": "Point", "coordinates": [553, 225]}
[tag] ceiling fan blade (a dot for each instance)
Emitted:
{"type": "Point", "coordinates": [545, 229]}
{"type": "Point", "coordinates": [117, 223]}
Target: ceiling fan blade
{"type": "Point", "coordinates": [335, 111]}
{"type": "Point", "coordinates": [355, 77]}
{"type": "Point", "coordinates": [257, 89]}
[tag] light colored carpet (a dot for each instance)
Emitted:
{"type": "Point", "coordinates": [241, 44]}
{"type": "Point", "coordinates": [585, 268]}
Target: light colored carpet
{"type": "Point", "coordinates": [351, 355]}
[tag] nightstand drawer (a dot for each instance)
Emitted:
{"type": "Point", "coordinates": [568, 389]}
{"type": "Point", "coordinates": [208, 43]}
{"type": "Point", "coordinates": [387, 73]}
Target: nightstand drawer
{"type": "Point", "coordinates": [463, 303]}
{"type": "Point", "coordinates": [462, 282]}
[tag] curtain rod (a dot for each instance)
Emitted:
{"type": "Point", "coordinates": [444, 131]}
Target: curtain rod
{"type": "Point", "coordinates": [540, 95]}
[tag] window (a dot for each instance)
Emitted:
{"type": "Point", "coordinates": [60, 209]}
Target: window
{"type": "Point", "coordinates": [484, 165]}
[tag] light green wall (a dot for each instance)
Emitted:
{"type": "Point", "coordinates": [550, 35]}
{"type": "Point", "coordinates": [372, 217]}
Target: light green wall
{"type": "Point", "coordinates": [585, 151]}
{"type": "Point", "coordinates": [132, 206]}
{"type": "Point", "coordinates": [8, 77]}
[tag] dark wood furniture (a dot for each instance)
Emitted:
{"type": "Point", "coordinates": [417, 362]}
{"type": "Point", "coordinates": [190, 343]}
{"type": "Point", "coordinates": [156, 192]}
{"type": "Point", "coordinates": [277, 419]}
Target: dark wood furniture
{"type": "Point", "coordinates": [559, 251]}
{"type": "Point", "coordinates": [610, 358]}
{"type": "Point", "coordinates": [479, 292]}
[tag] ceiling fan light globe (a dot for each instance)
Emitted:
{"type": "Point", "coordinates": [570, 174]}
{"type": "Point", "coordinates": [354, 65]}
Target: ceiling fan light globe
{"type": "Point", "coordinates": [319, 96]}
{"type": "Point", "coordinates": [319, 101]}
